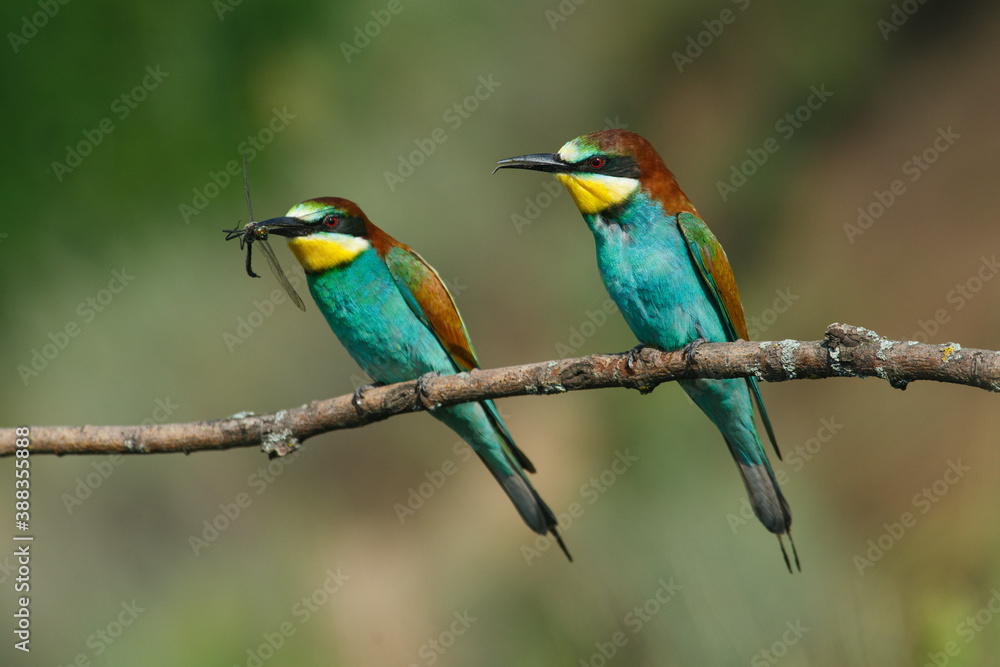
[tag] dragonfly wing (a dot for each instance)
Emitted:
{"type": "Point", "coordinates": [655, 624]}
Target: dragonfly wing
{"type": "Point", "coordinates": [272, 261]}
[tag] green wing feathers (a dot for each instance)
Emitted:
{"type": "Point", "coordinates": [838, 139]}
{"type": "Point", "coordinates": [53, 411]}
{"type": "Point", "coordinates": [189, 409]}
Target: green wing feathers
{"type": "Point", "coordinates": [432, 303]}
{"type": "Point", "coordinates": [713, 265]}
{"type": "Point", "coordinates": [430, 300]}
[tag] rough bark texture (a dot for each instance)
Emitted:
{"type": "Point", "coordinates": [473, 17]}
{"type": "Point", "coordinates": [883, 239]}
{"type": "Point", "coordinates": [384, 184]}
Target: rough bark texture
{"type": "Point", "coordinates": [846, 351]}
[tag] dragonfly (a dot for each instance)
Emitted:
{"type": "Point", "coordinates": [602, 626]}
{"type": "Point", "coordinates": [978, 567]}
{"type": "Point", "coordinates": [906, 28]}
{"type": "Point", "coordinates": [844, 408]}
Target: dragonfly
{"type": "Point", "coordinates": [255, 233]}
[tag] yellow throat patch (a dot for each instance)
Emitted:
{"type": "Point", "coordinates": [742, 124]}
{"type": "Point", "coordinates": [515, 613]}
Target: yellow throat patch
{"type": "Point", "coordinates": [323, 251]}
{"type": "Point", "coordinates": [595, 192]}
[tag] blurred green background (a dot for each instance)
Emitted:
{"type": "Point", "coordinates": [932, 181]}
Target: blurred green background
{"type": "Point", "coordinates": [199, 78]}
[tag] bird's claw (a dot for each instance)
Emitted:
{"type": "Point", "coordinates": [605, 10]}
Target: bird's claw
{"type": "Point", "coordinates": [630, 360]}
{"type": "Point", "coordinates": [688, 351]}
{"type": "Point", "coordinates": [422, 394]}
{"type": "Point", "coordinates": [632, 356]}
{"type": "Point", "coordinates": [360, 392]}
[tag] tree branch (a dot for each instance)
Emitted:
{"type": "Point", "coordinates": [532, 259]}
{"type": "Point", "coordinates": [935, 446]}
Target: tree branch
{"type": "Point", "coordinates": [846, 351]}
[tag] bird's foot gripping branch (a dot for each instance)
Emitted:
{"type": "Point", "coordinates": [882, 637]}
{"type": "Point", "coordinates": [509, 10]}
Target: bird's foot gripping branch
{"type": "Point", "coordinates": [845, 351]}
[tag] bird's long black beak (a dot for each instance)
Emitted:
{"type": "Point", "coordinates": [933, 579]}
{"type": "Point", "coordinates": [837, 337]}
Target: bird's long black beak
{"type": "Point", "coordinates": [550, 162]}
{"type": "Point", "coordinates": [284, 226]}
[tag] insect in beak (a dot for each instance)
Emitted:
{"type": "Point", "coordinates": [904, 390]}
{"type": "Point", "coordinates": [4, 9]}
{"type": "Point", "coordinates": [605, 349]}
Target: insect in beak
{"type": "Point", "coordinates": [255, 233]}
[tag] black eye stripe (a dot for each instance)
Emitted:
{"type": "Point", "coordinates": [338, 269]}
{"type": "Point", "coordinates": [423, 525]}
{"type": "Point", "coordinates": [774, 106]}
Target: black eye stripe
{"type": "Point", "coordinates": [612, 165]}
{"type": "Point", "coordinates": [329, 217]}
{"type": "Point", "coordinates": [344, 224]}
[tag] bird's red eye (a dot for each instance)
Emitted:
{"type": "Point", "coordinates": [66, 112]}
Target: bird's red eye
{"type": "Point", "coordinates": [596, 162]}
{"type": "Point", "coordinates": [330, 221]}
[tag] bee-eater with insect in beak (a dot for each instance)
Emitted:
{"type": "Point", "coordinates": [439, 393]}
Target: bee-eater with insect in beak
{"type": "Point", "coordinates": [672, 283]}
{"type": "Point", "coordinates": [398, 321]}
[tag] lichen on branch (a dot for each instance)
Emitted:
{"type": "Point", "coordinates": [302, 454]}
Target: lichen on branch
{"type": "Point", "coordinates": [845, 351]}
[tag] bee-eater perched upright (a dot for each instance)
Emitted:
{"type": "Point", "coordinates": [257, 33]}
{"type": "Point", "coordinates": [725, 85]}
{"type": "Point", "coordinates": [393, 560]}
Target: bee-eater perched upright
{"type": "Point", "coordinates": [398, 321]}
{"type": "Point", "coordinates": [672, 283]}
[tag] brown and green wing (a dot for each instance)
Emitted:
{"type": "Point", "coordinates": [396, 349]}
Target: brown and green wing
{"type": "Point", "coordinates": [431, 302]}
{"type": "Point", "coordinates": [429, 299]}
{"type": "Point", "coordinates": [713, 266]}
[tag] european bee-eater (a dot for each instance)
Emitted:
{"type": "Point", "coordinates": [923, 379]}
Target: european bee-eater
{"type": "Point", "coordinates": [672, 283]}
{"type": "Point", "coordinates": [398, 321]}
